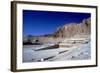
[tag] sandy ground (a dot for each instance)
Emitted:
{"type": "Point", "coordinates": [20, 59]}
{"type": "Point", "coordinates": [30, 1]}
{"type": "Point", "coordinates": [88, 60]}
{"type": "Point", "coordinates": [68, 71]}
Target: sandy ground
{"type": "Point", "coordinates": [79, 50]}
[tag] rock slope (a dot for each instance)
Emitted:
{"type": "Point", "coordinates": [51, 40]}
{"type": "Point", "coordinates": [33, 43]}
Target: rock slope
{"type": "Point", "coordinates": [69, 30]}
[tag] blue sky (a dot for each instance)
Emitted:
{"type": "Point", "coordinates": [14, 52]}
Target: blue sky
{"type": "Point", "coordinates": [45, 22]}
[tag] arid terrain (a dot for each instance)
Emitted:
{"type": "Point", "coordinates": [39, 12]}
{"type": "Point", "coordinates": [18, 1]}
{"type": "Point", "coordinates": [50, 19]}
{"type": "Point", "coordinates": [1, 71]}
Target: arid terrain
{"type": "Point", "coordinates": [69, 42]}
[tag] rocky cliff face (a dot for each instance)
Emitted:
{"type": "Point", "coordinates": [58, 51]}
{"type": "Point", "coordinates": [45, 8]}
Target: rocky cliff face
{"type": "Point", "coordinates": [65, 31]}
{"type": "Point", "coordinates": [69, 30]}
